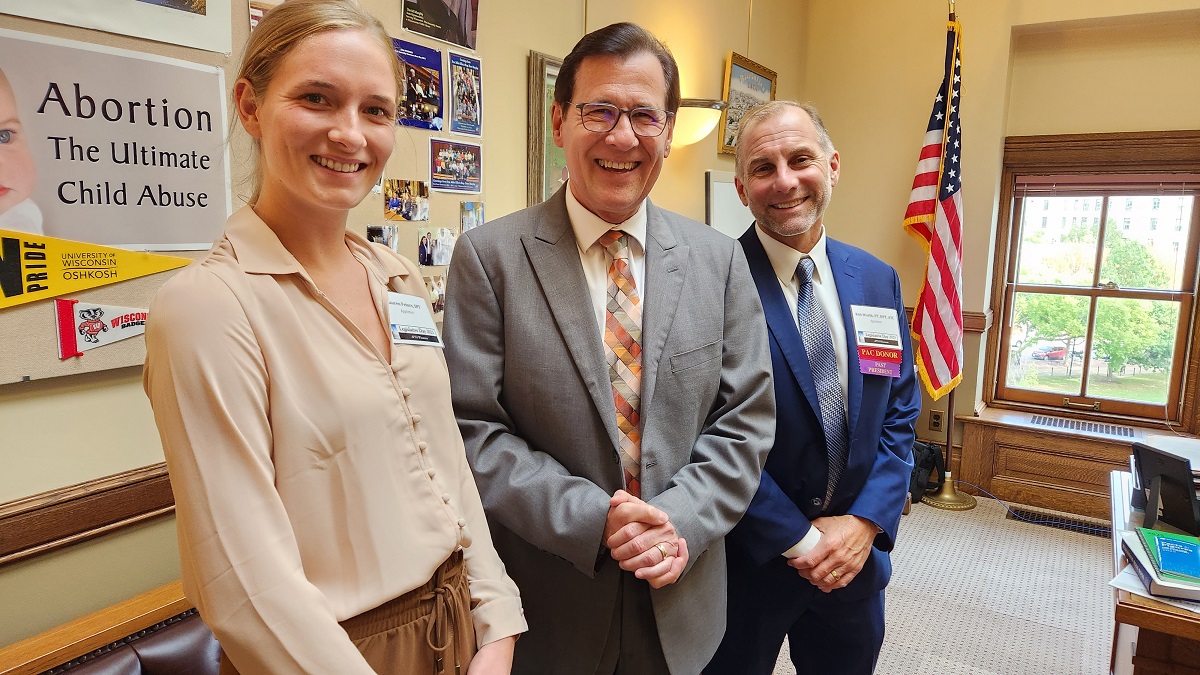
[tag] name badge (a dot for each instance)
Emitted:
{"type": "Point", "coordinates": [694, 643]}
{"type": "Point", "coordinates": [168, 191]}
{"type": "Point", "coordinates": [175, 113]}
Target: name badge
{"type": "Point", "coordinates": [877, 332]}
{"type": "Point", "coordinates": [411, 322]}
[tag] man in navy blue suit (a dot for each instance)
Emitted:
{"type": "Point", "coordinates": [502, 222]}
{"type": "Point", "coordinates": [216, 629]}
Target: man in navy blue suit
{"type": "Point", "coordinates": [809, 560]}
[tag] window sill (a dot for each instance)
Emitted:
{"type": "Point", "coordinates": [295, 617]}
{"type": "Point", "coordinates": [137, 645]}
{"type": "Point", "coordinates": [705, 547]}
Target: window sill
{"type": "Point", "coordinates": [1005, 453]}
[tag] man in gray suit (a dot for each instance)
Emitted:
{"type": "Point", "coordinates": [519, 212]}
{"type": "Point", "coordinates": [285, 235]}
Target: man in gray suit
{"type": "Point", "coordinates": [613, 447]}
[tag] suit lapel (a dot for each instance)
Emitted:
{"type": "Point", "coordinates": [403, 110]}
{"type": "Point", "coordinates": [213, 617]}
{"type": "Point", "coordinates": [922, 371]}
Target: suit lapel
{"type": "Point", "coordinates": [850, 292]}
{"type": "Point", "coordinates": [779, 315]}
{"type": "Point", "coordinates": [554, 257]}
{"type": "Point", "coordinates": [666, 268]}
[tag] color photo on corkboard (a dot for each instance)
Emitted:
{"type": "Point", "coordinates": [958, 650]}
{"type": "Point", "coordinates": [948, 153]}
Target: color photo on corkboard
{"type": "Point", "coordinates": [455, 167]}
{"type": "Point", "coordinates": [422, 105]}
{"type": "Point", "coordinates": [405, 199]}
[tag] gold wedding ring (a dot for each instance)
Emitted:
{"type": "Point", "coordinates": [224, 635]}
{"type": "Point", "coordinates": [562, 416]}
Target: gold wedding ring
{"type": "Point", "coordinates": [662, 548]}
{"type": "Point", "coordinates": [835, 575]}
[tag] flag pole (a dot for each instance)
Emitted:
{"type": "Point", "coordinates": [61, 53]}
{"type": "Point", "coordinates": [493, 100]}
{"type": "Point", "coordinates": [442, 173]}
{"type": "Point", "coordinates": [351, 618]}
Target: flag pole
{"type": "Point", "coordinates": [947, 497]}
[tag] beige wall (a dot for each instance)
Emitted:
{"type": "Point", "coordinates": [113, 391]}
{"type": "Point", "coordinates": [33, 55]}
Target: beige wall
{"type": "Point", "coordinates": [873, 74]}
{"type": "Point", "coordinates": [1107, 78]}
{"type": "Point", "coordinates": [700, 36]}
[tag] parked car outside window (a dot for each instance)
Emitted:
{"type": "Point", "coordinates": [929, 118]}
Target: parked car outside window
{"type": "Point", "coordinates": [1050, 352]}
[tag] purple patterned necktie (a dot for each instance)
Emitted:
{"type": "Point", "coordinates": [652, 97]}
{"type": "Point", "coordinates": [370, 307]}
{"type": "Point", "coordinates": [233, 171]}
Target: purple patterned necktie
{"type": "Point", "coordinates": [822, 360]}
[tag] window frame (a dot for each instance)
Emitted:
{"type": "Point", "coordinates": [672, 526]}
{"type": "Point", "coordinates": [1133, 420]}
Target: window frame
{"type": "Point", "coordinates": [1136, 154]}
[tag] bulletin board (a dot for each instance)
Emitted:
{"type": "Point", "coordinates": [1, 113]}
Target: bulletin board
{"type": "Point", "coordinates": [28, 331]}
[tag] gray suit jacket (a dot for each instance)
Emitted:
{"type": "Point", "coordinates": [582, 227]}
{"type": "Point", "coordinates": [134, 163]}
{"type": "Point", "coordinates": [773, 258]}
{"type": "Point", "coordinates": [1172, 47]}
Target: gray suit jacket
{"type": "Point", "coordinates": [535, 407]}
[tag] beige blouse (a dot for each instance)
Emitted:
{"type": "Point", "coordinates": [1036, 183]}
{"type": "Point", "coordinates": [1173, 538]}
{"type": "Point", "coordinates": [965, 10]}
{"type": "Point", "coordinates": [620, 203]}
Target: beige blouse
{"type": "Point", "coordinates": [312, 480]}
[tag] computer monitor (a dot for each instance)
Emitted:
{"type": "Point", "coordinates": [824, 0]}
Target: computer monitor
{"type": "Point", "coordinates": [1168, 478]}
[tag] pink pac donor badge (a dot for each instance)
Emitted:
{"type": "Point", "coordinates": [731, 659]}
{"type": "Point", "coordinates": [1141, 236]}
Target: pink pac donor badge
{"type": "Point", "coordinates": [877, 333]}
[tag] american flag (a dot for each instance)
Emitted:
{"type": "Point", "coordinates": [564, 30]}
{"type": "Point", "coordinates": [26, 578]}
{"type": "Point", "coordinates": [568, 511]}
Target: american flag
{"type": "Point", "coordinates": [934, 217]}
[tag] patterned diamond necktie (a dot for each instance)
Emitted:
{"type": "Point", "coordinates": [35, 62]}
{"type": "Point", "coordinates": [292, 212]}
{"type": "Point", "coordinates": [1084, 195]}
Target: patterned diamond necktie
{"type": "Point", "coordinates": [623, 351]}
{"type": "Point", "coordinates": [822, 360]}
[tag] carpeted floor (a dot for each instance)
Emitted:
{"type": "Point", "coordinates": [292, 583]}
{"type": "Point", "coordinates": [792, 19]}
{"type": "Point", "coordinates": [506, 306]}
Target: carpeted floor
{"type": "Point", "coordinates": [974, 593]}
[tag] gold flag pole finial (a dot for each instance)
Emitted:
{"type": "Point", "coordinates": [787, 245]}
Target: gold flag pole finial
{"type": "Point", "coordinates": [951, 10]}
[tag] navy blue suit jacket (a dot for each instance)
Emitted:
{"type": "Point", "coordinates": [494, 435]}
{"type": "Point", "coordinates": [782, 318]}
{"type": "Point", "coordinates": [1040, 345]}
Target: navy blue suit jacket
{"type": "Point", "coordinates": [881, 412]}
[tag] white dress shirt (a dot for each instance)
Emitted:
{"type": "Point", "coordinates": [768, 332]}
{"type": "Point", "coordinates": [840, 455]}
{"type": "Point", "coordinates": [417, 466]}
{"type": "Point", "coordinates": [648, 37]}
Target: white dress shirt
{"type": "Point", "coordinates": [588, 228]}
{"type": "Point", "coordinates": [785, 259]}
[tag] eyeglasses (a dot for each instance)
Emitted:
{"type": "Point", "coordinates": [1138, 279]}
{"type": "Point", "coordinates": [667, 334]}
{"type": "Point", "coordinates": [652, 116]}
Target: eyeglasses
{"type": "Point", "coordinates": [602, 118]}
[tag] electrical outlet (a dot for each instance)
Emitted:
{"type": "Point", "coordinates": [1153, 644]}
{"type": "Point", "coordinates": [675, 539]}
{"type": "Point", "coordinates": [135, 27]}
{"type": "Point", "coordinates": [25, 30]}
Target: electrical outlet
{"type": "Point", "coordinates": [936, 420]}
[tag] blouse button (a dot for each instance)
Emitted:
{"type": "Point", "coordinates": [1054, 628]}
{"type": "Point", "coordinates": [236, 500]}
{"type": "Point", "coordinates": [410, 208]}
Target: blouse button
{"type": "Point", "coordinates": [422, 445]}
{"type": "Point", "coordinates": [446, 497]}
{"type": "Point", "coordinates": [462, 522]}
{"type": "Point", "coordinates": [416, 419]}
{"type": "Point", "coordinates": [406, 391]}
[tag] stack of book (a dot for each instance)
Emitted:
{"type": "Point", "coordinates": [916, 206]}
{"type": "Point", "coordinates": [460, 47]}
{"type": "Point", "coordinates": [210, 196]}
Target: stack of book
{"type": "Point", "coordinates": [1167, 563]}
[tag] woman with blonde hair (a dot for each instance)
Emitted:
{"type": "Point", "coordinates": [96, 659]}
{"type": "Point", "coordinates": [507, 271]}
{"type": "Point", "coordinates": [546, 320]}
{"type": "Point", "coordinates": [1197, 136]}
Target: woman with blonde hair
{"type": "Point", "coordinates": [328, 521]}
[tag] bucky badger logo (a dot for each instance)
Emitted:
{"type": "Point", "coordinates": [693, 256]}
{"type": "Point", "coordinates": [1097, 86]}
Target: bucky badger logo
{"type": "Point", "coordinates": [92, 325]}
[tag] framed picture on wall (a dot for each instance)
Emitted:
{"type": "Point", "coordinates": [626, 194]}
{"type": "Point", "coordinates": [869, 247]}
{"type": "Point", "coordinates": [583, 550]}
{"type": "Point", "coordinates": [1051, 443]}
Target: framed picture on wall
{"type": "Point", "coordinates": [547, 161]}
{"type": "Point", "coordinates": [746, 85]}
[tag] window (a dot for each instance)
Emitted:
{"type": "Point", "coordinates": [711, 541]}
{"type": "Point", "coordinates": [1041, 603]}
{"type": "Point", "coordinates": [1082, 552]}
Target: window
{"type": "Point", "coordinates": [1099, 323]}
{"type": "Point", "coordinates": [1044, 219]}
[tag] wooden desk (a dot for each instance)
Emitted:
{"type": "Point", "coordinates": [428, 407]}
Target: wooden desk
{"type": "Point", "coordinates": [1167, 638]}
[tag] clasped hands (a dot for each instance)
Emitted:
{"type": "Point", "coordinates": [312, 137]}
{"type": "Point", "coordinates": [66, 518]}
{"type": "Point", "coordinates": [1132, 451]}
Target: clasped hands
{"type": "Point", "coordinates": [840, 554]}
{"type": "Point", "coordinates": [642, 540]}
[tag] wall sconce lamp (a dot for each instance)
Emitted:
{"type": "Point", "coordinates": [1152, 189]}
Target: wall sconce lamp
{"type": "Point", "coordinates": [696, 119]}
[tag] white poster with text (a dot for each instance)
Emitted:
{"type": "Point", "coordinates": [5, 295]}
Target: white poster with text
{"type": "Point", "coordinates": [121, 148]}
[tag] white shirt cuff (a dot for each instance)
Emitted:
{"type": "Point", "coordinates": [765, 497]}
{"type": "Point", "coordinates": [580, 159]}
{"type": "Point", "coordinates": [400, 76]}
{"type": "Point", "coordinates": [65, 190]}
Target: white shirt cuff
{"type": "Point", "coordinates": [806, 544]}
